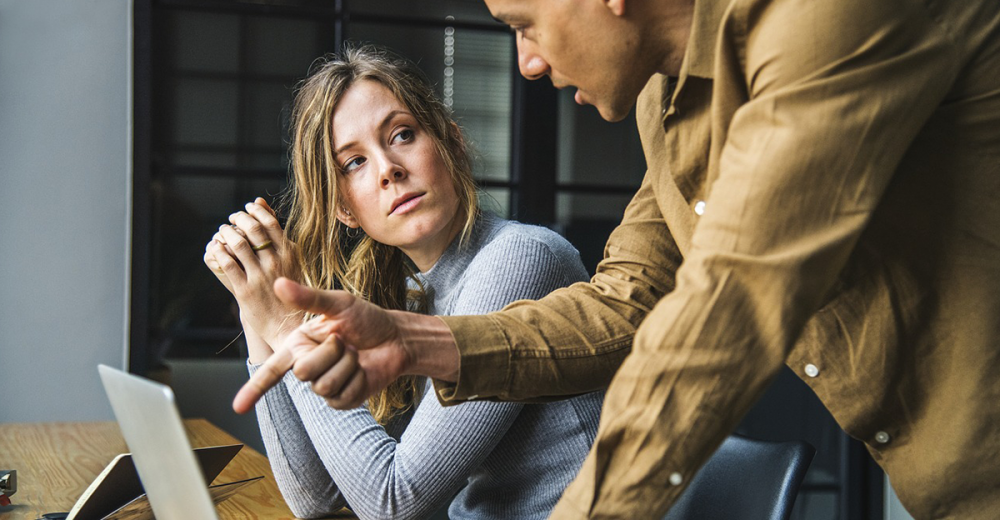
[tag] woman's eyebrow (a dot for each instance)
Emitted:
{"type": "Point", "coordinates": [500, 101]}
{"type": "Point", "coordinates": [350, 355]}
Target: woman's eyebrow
{"type": "Point", "coordinates": [390, 116]}
{"type": "Point", "coordinates": [385, 122]}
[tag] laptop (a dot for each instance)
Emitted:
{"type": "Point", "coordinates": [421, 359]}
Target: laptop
{"type": "Point", "coordinates": [152, 427]}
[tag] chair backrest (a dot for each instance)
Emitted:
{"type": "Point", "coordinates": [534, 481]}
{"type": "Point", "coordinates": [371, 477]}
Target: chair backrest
{"type": "Point", "coordinates": [746, 479]}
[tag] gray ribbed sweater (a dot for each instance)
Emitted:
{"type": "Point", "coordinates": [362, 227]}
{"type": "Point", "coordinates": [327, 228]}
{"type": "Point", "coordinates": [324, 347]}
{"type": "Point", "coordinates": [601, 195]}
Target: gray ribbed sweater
{"type": "Point", "coordinates": [504, 460]}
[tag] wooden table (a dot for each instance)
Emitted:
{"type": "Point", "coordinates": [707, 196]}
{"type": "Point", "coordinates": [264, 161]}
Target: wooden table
{"type": "Point", "coordinates": [55, 463]}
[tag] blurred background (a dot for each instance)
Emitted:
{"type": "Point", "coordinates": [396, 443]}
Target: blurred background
{"type": "Point", "coordinates": [129, 131]}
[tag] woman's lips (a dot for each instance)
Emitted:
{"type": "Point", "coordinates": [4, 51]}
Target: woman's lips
{"type": "Point", "coordinates": [407, 205]}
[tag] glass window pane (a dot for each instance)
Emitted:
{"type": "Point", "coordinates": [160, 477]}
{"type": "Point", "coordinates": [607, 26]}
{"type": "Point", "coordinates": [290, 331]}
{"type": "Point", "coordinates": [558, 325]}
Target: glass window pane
{"type": "Point", "coordinates": [207, 343]}
{"type": "Point", "coordinates": [187, 300]}
{"type": "Point", "coordinates": [270, 189]}
{"type": "Point", "coordinates": [208, 159]}
{"type": "Point", "coordinates": [461, 10]}
{"type": "Point", "coordinates": [205, 112]}
{"type": "Point", "coordinates": [199, 41]}
{"type": "Point", "coordinates": [266, 120]}
{"type": "Point", "coordinates": [594, 151]}
{"type": "Point", "coordinates": [586, 220]}
{"type": "Point", "coordinates": [206, 200]}
{"type": "Point", "coordinates": [285, 46]}
{"type": "Point", "coordinates": [495, 201]}
{"type": "Point", "coordinates": [185, 294]}
{"type": "Point", "coordinates": [580, 208]}
{"type": "Point", "coordinates": [478, 87]}
{"type": "Point", "coordinates": [422, 45]}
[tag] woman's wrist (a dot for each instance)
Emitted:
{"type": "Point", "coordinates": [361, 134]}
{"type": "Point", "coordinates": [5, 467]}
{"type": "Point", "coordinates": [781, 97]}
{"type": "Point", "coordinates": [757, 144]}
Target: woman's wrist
{"type": "Point", "coordinates": [258, 350]}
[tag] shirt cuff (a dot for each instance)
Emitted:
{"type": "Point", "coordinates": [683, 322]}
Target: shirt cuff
{"type": "Point", "coordinates": [484, 365]}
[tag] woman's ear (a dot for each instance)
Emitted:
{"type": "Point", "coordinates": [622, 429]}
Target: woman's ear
{"type": "Point", "coordinates": [347, 218]}
{"type": "Point", "coordinates": [456, 134]}
{"type": "Point", "coordinates": [458, 140]}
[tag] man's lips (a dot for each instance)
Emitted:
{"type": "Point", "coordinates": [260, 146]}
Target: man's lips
{"type": "Point", "coordinates": [403, 203]}
{"type": "Point", "coordinates": [578, 96]}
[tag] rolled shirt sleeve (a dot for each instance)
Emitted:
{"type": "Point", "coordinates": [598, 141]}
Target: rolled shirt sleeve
{"type": "Point", "coordinates": [572, 340]}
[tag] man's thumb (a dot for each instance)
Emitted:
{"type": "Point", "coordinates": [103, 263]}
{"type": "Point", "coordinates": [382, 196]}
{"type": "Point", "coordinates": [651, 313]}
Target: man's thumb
{"type": "Point", "coordinates": [309, 299]}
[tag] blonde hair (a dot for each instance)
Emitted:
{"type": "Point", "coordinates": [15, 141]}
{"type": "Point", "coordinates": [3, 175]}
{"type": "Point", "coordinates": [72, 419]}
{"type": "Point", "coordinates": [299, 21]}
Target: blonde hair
{"type": "Point", "coordinates": [332, 258]}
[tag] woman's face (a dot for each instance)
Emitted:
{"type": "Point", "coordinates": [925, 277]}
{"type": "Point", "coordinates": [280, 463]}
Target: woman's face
{"type": "Point", "coordinates": [393, 182]}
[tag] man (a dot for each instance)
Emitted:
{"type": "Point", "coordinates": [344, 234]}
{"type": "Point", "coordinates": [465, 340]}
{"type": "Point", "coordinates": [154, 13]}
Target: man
{"type": "Point", "coordinates": [822, 191]}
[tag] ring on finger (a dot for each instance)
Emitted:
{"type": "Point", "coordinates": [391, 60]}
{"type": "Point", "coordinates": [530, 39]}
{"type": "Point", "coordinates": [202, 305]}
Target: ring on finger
{"type": "Point", "coordinates": [263, 246]}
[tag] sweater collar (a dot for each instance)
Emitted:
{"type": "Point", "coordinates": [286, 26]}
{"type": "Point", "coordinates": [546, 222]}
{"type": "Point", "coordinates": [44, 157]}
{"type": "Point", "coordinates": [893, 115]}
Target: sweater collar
{"type": "Point", "coordinates": [448, 270]}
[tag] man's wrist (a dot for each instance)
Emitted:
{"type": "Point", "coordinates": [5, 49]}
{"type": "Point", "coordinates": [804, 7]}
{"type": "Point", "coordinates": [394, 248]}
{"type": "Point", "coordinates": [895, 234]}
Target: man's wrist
{"type": "Point", "coordinates": [429, 345]}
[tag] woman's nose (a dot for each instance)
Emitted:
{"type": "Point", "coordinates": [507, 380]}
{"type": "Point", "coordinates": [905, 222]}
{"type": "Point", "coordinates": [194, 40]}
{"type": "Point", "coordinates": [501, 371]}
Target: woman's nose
{"type": "Point", "coordinates": [391, 173]}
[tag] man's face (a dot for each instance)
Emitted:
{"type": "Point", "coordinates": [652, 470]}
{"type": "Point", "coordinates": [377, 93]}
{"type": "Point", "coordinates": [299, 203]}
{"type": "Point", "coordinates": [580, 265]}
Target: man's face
{"type": "Point", "coordinates": [582, 44]}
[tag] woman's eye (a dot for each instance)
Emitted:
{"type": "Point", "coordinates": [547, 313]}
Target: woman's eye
{"type": "Point", "coordinates": [353, 164]}
{"type": "Point", "coordinates": [403, 136]}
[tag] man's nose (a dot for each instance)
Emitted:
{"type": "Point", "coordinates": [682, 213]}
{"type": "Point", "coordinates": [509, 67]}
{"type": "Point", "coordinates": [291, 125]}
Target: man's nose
{"type": "Point", "coordinates": [531, 65]}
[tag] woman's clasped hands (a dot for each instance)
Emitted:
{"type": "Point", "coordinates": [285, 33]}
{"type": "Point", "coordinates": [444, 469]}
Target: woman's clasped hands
{"type": "Point", "coordinates": [247, 256]}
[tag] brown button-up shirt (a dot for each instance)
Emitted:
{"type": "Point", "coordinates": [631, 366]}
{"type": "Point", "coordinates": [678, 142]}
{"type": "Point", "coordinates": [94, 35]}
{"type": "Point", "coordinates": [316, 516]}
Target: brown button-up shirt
{"type": "Point", "coordinates": [823, 191]}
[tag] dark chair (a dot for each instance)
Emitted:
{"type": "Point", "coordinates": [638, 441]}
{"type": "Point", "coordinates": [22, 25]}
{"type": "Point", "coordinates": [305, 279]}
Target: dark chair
{"type": "Point", "coordinates": [746, 479]}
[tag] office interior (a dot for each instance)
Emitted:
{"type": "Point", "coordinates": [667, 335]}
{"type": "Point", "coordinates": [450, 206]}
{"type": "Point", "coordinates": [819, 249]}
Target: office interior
{"type": "Point", "coordinates": [131, 129]}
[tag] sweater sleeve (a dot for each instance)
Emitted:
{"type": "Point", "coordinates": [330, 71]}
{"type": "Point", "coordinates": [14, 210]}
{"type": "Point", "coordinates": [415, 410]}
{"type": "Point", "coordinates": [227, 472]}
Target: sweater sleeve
{"type": "Point", "coordinates": [574, 339]}
{"type": "Point", "coordinates": [298, 470]}
{"type": "Point", "coordinates": [517, 266]}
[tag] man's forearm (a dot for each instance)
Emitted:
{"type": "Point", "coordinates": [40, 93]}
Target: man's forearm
{"type": "Point", "coordinates": [429, 345]}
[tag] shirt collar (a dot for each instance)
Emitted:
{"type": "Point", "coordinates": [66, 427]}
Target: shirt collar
{"type": "Point", "coordinates": [699, 60]}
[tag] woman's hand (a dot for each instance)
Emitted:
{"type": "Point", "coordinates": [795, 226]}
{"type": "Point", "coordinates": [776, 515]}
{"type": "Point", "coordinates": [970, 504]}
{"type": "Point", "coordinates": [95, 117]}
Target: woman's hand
{"type": "Point", "coordinates": [250, 254]}
{"type": "Point", "coordinates": [213, 265]}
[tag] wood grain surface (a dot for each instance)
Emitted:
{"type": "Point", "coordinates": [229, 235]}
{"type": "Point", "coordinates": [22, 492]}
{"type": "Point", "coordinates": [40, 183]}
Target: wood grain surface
{"type": "Point", "coordinates": [55, 463]}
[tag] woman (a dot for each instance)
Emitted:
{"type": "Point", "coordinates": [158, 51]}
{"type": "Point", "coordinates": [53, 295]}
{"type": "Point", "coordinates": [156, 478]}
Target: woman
{"type": "Point", "coordinates": [384, 206]}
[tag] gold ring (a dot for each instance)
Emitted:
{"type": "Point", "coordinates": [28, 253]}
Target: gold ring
{"type": "Point", "coordinates": [261, 247]}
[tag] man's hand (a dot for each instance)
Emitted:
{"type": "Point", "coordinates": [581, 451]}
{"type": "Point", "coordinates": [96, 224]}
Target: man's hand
{"type": "Point", "coordinates": [352, 350]}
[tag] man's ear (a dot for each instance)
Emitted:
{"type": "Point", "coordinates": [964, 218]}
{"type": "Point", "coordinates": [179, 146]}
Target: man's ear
{"type": "Point", "coordinates": [347, 218]}
{"type": "Point", "coordinates": [617, 7]}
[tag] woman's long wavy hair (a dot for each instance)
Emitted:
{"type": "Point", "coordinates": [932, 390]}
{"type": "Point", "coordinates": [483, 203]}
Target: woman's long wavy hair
{"type": "Point", "coordinates": [330, 257]}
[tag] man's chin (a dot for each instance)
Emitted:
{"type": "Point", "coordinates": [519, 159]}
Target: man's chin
{"type": "Point", "coordinates": [614, 112]}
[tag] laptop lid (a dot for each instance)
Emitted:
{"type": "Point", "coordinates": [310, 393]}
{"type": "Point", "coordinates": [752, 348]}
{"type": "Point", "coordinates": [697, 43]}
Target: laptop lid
{"type": "Point", "coordinates": [155, 435]}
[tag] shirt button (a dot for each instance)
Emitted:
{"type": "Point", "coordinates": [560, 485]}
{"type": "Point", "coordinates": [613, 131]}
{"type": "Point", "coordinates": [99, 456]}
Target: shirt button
{"type": "Point", "coordinates": [676, 479]}
{"type": "Point", "coordinates": [699, 208]}
{"type": "Point", "coordinates": [471, 397]}
{"type": "Point", "coordinates": [882, 437]}
{"type": "Point", "coordinates": [812, 370]}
